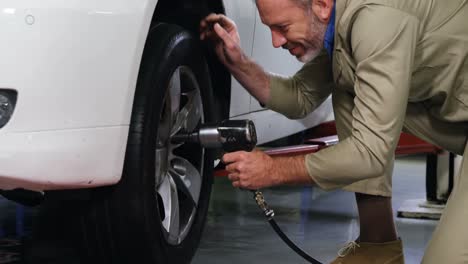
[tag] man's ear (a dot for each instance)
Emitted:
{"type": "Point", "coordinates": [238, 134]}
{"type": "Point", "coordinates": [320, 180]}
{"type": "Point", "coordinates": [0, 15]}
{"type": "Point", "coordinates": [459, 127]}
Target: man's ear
{"type": "Point", "coordinates": [322, 9]}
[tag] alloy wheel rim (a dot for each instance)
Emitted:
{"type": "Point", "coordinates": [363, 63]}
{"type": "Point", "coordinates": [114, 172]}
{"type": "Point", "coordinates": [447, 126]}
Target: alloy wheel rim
{"type": "Point", "coordinates": [179, 167]}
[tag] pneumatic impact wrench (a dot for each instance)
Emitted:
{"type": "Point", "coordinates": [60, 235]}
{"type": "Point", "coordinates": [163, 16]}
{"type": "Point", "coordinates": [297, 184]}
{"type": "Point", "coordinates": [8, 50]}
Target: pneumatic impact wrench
{"type": "Point", "coordinates": [231, 136]}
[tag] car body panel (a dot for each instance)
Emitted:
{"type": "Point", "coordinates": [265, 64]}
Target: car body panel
{"type": "Point", "coordinates": [56, 55]}
{"type": "Point", "coordinates": [62, 159]}
{"type": "Point", "coordinates": [63, 66]}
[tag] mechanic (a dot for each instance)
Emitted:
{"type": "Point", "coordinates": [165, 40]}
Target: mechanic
{"type": "Point", "coordinates": [389, 65]}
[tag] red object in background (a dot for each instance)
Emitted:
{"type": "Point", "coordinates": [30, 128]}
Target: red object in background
{"type": "Point", "coordinates": [409, 144]}
{"type": "Point", "coordinates": [324, 135]}
{"type": "Point", "coordinates": [322, 130]}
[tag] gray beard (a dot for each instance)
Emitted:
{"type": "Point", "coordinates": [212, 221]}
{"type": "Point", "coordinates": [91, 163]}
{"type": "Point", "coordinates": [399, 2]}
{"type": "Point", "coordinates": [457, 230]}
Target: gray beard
{"type": "Point", "coordinates": [316, 38]}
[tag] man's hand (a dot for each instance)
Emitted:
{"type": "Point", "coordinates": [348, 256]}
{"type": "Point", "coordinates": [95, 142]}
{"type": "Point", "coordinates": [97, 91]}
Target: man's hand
{"type": "Point", "coordinates": [255, 170]}
{"type": "Point", "coordinates": [251, 170]}
{"type": "Point", "coordinates": [222, 31]}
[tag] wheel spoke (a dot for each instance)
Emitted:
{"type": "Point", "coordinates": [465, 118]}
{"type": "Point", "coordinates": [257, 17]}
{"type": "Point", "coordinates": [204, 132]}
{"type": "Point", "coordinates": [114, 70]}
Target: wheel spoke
{"type": "Point", "coordinates": [164, 127]}
{"type": "Point", "coordinates": [189, 116]}
{"type": "Point", "coordinates": [161, 164]}
{"type": "Point", "coordinates": [168, 192]}
{"type": "Point", "coordinates": [187, 179]}
{"type": "Point", "coordinates": [174, 228]}
{"type": "Point", "coordinates": [175, 92]}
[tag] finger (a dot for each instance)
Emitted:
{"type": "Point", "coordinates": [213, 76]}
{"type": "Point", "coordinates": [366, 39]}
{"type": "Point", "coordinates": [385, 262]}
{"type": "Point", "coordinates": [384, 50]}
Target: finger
{"type": "Point", "coordinates": [213, 18]}
{"type": "Point", "coordinates": [205, 31]}
{"type": "Point", "coordinates": [233, 167]}
{"type": "Point", "coordinates": [231, 157]}
{"type": "Point", "coordinates": [236, 184]}
{"type": "Point", "coordinates": [223, 20]}
{"type": "Point", "coordinates": [233, 177]}
{"type": "Point", "coordinates": [224, 36]}
{"type": "Point", "coordinates": [202, 32]}
{"type": "Point", "coordinates": [210, 34]}
{"type": "Point", "coordinates": [203, 23]}
{"type": "Point", "coordinates": [206, 24]}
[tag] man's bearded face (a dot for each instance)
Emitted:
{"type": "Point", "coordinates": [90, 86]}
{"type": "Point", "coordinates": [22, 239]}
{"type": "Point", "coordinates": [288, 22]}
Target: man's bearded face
{"type": "Point", "coordinates": [312, 45]}
{"type": "Point", "coordinates": [293, 27]}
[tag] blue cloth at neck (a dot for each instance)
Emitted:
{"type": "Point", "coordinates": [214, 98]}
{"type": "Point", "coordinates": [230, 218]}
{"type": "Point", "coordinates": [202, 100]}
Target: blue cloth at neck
{"type": "Point", "coordinates": [329, 40]}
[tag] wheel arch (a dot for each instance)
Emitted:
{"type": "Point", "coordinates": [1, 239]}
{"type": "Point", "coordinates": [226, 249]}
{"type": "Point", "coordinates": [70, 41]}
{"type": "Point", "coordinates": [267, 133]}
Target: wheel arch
{"type": "Point", "coordinates": [188, 13]}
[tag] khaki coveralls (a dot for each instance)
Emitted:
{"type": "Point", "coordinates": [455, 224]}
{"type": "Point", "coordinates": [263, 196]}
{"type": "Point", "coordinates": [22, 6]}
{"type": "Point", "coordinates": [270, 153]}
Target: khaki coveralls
{"type": "Point", "coordinates": [397, 64]}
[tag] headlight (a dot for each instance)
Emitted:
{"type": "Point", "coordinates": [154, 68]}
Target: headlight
{"type": "Point", "coordinates": [7, 105]}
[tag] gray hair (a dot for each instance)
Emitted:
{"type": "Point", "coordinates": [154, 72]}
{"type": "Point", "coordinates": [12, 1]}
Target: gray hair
{"type": "Point", "coordinates": [306, 4]}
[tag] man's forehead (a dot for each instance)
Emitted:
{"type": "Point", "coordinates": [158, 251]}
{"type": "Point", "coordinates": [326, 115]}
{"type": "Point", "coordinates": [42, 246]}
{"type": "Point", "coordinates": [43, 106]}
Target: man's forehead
{"type": "Point", "coordinates": [274, 2]}
{"type": "Point", "coordinates": [282, 2]}
{"type": "Point", "coordinates": [274, 10]}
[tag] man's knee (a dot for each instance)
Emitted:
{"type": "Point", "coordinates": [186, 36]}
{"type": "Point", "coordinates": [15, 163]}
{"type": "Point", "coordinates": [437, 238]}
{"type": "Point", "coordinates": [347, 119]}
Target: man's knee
{"type": "Point", "coordinates": [420, 123]}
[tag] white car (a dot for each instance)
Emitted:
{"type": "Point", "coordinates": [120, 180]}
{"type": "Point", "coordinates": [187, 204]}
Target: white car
{"type": "Point", "coordinates": [91, 92]}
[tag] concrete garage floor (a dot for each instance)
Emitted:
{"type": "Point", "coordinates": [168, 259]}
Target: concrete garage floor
{"type": "Point", "coordinates": [237, 232]}
{"type": "Point", "coordinates": [319, 222]}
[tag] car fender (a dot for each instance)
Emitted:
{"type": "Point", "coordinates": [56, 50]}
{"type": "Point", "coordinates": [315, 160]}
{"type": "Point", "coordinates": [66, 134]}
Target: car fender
{"type": "Point", "coordinates": [74, 65]}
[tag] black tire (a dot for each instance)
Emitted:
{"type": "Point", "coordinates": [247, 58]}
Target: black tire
{"type": "Point", "coordinates": [125, 223]}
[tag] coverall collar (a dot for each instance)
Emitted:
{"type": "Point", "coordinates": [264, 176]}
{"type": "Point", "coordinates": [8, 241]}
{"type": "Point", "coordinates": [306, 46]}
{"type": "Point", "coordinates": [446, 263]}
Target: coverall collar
{"type": "Point", "coordinates": [329, 40]}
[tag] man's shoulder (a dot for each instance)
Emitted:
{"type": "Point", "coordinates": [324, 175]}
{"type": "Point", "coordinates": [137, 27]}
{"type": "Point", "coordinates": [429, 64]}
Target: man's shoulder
{"type": "Point", "coordinates": [370, 25]}
{"type": "Point", "coordinates": [351, 10]}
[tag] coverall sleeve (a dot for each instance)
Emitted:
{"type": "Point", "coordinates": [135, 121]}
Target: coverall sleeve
{"type": "Point", "coordinates": [297, 96]}
{"type": "Point", "coordinates": [383, 42]}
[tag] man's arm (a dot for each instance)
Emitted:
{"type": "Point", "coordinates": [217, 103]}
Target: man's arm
{"type": "Point", "coordinates": [253, 78]}
{"type": "Point", "coordinates": [298, 95]}
{"type": "Point", "coordinates": [293, 97]}
{"type": "Point", "coordinates": [223, 33]}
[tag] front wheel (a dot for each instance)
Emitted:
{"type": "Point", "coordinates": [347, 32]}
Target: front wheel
{"type": "Point", "coordinates": [157, 212]}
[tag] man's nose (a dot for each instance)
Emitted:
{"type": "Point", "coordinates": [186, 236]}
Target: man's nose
{"type": "Point", "coordinates": [278, 39]}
